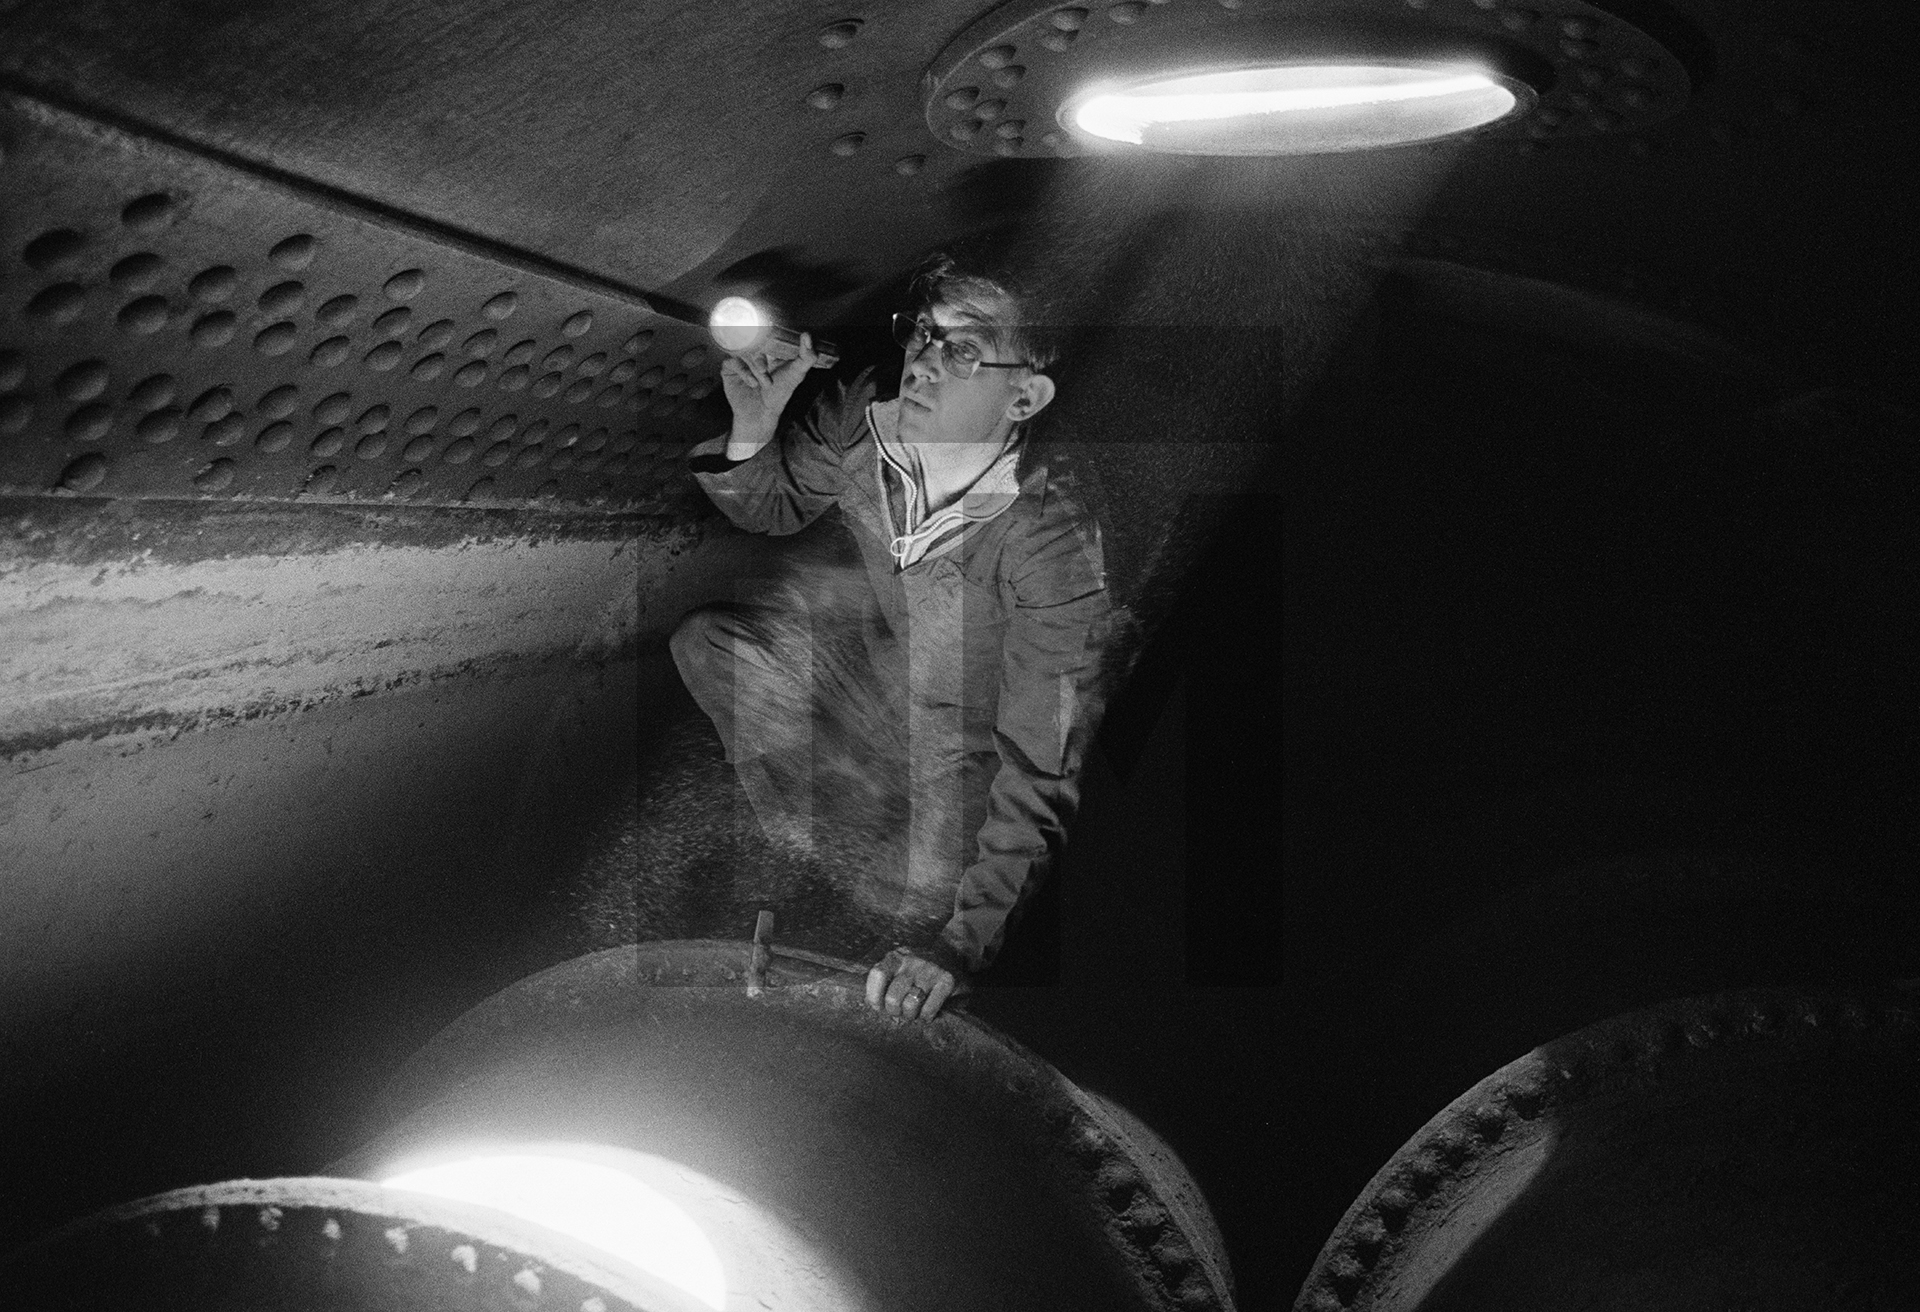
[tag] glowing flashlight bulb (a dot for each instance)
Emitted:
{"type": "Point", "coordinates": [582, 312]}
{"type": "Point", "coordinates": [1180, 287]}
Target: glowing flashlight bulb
{"type": "Point", "coordinates": [738, 324]}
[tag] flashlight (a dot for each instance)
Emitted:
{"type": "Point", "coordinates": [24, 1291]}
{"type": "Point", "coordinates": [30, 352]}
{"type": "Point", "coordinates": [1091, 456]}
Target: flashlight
{"type": "Point", "coordinates": [740, 326]}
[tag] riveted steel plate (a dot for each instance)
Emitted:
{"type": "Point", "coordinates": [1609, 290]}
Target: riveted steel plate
{"type": "Point", "coordinates": [175, 325]}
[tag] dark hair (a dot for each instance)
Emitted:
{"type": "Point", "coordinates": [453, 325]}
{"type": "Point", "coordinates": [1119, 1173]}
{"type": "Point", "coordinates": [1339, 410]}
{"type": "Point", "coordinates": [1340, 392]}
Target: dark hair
{"type": "Point", "coordinates": [1009, 308]}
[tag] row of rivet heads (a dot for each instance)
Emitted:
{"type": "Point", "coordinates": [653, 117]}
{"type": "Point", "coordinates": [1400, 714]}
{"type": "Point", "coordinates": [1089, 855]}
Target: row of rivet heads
{"type": "Point", "coordinates": [1636, 1052]}
{"type": "Point", "coordinates": [270, 1224]}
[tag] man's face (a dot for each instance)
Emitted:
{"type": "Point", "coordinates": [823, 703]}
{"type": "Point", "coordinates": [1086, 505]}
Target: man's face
{"type": "Point", "coordinates": [936, 406]}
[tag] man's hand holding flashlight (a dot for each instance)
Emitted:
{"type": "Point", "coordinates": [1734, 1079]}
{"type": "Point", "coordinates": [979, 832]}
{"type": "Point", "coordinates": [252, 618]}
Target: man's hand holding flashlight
{"type": "Point", "coordinates": [758, 390]}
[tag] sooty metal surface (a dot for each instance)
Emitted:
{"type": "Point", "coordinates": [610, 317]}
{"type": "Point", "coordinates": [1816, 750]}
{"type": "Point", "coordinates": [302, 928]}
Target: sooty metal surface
{"type": "Point", "coordinates": [934, 1165]}
{"type": "Point", "coordinates": [173, 325]}
{"type": "Point", "coordinates": [321, 1244]}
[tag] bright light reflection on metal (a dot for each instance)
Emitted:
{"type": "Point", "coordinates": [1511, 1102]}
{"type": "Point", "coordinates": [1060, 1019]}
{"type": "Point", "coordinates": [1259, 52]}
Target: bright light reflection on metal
{"type": "Point", "coordinates": [594, 1203]}
{"type": "Point", "coordinates": [738, 324]}
{"type": "Point", "coordinates": [1296, 108]}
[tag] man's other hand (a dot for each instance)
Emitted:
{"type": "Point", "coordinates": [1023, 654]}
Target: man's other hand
{"type": "Point", "coordinates": [910, 987]}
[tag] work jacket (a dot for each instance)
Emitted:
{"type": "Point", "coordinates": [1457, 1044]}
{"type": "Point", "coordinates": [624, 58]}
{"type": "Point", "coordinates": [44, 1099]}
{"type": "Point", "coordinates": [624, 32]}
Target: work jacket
{"type": "Point", "coordinates": [995, 614]}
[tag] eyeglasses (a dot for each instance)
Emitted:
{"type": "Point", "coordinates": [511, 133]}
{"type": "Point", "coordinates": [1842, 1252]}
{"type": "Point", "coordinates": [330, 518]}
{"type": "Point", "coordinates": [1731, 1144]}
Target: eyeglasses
{"type": "Point", "coordinates": [960, 359]}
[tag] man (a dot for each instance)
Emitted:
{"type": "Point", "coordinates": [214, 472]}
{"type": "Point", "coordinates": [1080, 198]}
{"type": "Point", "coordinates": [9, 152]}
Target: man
{"type": "Point", "coordinates": [987, 577]}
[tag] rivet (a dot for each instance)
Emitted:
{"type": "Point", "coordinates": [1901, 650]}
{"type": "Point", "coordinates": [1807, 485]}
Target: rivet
{"type": "Point", "coordinates": [13, 370]}
{"type": "Point", "coordinates": [836, 36]}
{"type": "Point", "coordinates": [148, 314]}
{"type": "Point", "coordinates": [497, 454]}
{"type": "Point", "coordinates": [562, 459]}
{"type": "Point", "coordinates": [849, 144]}
{"type": "Point", "coordinates": [1053, 141]}
{"type": "Point", "coordinates": [215, 477]}
{"type": "Point", "coordinates": [594, 441]}
{"type": "Point", "coordinates": [213, 285]}
{"type": "Point", "coordinates": [503, 427]}
{"type": "Point", "coordinates": [1518, 20]}
{"type": "Point", "coordinates": [275, 339]}
{"type": "Point", "coordinates": [1230, 4]}
{"type": "Point", "coordinates": [625, 442]}
{"type": "Point", "coordinates": [54, 249]}
{"type": "Point", "coordinates": [214, 329]}
{"type": "Point", "coordinates": [615, 464]}
{"type": "Point", "coordinates": [83, 381]}
{"type": "Point", "coordinates": [1011, 128]}
{"type": "Point", "coordinates": [535, 431]}
{"type": "Point", "coordinates": [274, 437]}
{"type": "Point", "coordinates": [84, 473]}
{"type": "Point", "coordinates": [393, 322]}
{"type": "Point", "coordinates": [406, 284]}
{"type": "Point", "coordinates": [17, 411]}
{"type": "Point", "coordinates": [693, 358]}
{"type": "Point", "coordinates": [214, 403]}
{"type": "Point", "coordinates": [333, 351]}
{"type": "Point", "coordinates": [1576, 27]}
{"type": "Point", "coordinates": [296, 252]}
{"type": "Point", "coordinates": [520, 352]}
{"type": "Point", "coordinates": [610, 397]}
{"type": "Point", "coordinates": [637, 343]}
{"type": "Point", "coordinates": [137, 272]}
{"type": "Point", "coordinates": [382, 357]}
{"type": "Point", "coordinates": [224, 432]}
{"type": "Point", "coordinates": [621, 372]}
{"type": "Point", "coordinates": [1068, 20]}
{"type": "Point", "coordinates": [826, 97]}
{"type": "Point", "coordinates": [371, 447]}
{"type": "Point", "coordinates": [581, 389]}
{"type": "Point", "coordinates": [480, 491]}
{"type": "Point", "coordinates": [1059, 42]}
{"type": "Point", "coordinates": [1005, 147]}
{"type": "Point", "coordinates": [1578, 99]}
{"type": "Point", "coordinates": [397, 1237]}
{"type": "Point", "coordinates": [1009, 77]}
{"type": "Point", "coordinates": [528, 1282]}
{"type": "Point", "coordinates": [320, 482]}
{"type": "Point", "coordinates": [529, 457]}
{"type": "Point", "coordinates": [908, 165]}
{"type": "Point", "coordinates": [422, 420]}
{"type": "Point", "coordinates": [435, 335]}
{"type": "Point", "coordinates": [428, 368]}
{"type": "Point", "coordinates": [558, 358]}
{"type": "Point", "coordinates": [467, 421]}
{"type": "Point", "coordinates": [593, 364]}
{"type": "Point", "coordinates": [333, 409]}
{"type": "Point", "coordinates": [1604, 120]}
{"type": "Point", "coordinates": [651, 378]}
{"type": "Point", "coordinates": [481, 343]}
{"type": "Point", "coordinates": [62, 303]}
{"type": "Point", "coordinates": [153, 392]}
{"type": "Point", "coordinates": [579, 325]}
{"type": "Point", "coordinates": [965, 131]}
{"type": "Point", "coordinates": [338, 311]}
{"type": "Point", "coordinates": [501, 306]}
{"type": "Point", "coordinates": [997, 57]}
{"type": "Point", "coordinates": [149, 213]}
{"type": "Point", "coordinates": [514, 379]}
{"type": "Point", "coordinates": [1127, 13]}
{"type": "Point", "coordinates": [1634, 67]}
{"type": "Point", "coordinates": [1635, 97]}
{"type": "Point", "coordinates": [1579, 49]}
{"type": "Point", "coordinates": [701, 389]}
{"type": "Point", "coordinates": [988, 110]}
{"type": "Point", "coordinates": [458, 452]}
{"type": "Point", "coordinates": [408, 484]}
{"type": "Point", "coordinates": [464, 1256]}
{"type": "Point", "coordinates": [89, 423]}
{"type": "Point", "coordinates": [471, 374]}
{"type": "Point", "coordinates": [279, 402]}
{"type": "Point", "coordinates": [282, 299]}
{"type": "Point", "coordinates": [546, 385]}
{"type": "Point", "coordinates": [963, 99]}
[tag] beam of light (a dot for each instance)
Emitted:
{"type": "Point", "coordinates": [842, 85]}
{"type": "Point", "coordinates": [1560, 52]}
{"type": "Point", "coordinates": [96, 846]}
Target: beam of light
{"type": "Point", "coordinates": [592, 1202]}
{"type": "Point", "coordinates": [738, 324]}
{"type": "Point", "coordinates": [1296, 108]}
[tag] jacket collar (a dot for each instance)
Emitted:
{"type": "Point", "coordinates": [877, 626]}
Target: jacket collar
{"type": "Point", "coordinates": [923, 535]}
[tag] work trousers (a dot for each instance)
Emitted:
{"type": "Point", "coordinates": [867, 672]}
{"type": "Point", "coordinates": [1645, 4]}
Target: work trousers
{"type": "Point", "coordinates": [815, 709]}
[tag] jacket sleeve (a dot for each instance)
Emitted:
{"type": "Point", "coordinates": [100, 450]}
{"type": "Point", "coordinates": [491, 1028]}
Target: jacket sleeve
{"type": "Point", "coordinates": [785, 485]}
{"type": "Point", "coordinates": [1051, 698]}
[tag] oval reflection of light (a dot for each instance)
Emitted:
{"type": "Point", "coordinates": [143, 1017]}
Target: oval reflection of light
{"type": "Point", "coordinates": [738, 324]}
{"type": "Point", "coordinates": [565, 1190]}
{"type": "Point", "coordinates": [1295, 109]}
